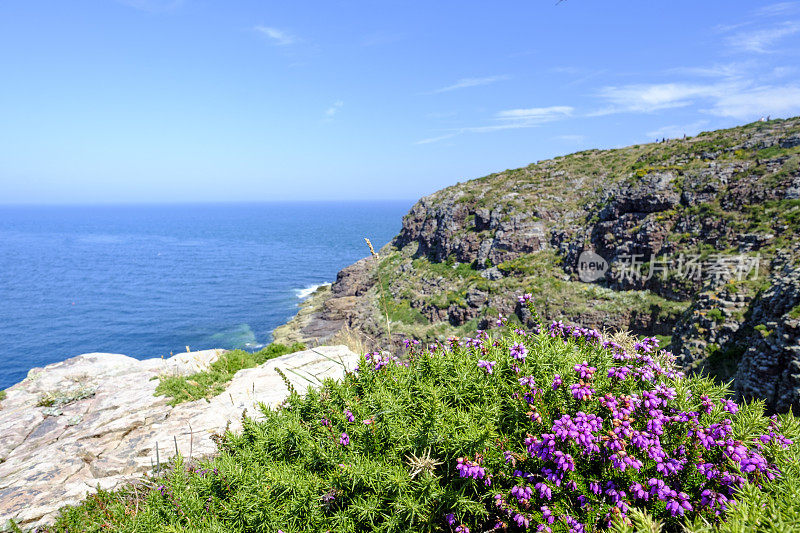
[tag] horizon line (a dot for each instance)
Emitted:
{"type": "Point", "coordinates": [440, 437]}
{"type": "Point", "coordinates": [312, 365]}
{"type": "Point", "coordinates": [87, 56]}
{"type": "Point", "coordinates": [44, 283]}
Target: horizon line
{"type": "Point", "coordinates": [164, 203]}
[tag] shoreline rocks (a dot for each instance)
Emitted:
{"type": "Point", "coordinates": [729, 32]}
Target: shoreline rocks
{"type": "Point", "coordinates": [93, 420]}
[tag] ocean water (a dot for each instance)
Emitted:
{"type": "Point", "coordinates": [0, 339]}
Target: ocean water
{"type": "Point", "coordinates": [146, 281]}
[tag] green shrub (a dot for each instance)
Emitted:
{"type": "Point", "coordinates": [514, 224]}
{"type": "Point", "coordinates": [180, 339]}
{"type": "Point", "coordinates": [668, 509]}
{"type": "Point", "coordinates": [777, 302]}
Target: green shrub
{"type": "Point", "coordinates": [487, 434]}
{"type": "Point", "coordinates": [716, 315]}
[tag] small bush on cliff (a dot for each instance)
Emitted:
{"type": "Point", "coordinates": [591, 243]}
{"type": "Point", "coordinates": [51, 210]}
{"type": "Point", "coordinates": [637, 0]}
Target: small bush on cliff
{"type": "Point", "coordinates": [553, 430]}
{"type": "Point", "coordinates": [213, 381]}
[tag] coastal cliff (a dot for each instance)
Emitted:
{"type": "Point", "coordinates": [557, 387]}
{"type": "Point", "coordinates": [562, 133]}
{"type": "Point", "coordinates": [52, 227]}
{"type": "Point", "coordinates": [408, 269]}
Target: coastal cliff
{"type": "Point", "coordinates": [693, 240]}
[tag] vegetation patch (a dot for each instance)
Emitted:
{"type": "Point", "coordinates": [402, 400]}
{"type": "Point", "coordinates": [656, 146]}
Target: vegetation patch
{"type": "Point", "coordinates": [401, 311]}
{"type": "Point", "coordinates": [61, 398]}
{"type": "Point", "coordinates": [213, 381]}
{"type": "Point", "coordinates": [553, 430]}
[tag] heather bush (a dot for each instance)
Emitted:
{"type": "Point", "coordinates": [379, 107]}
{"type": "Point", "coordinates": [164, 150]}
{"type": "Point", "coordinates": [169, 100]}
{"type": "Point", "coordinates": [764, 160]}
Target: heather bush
{"type": "Point", "coordinates": [556, 429]}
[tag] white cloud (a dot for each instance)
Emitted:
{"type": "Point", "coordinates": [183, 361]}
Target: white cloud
{"type": "Point", "coordinates": [510, 119]}
{"type": "Point", "coordinates": [463, 83]}
{"type": "Point", "coordinates": [781, 8]}
{"type": "Point", "coordinates": [761, 41]}
{"type": "Point", "coordinates": [278, 37]}
{"type": "Point", "coordinates": [646, 98]}
{"type": "Point", "coordinates": [439, 138]}
{"type": "Point", "coordinates": [535, 114]}
{"type": "Point", "coordinates": [737, 99]}
{"type": "Point", "coordinates": [726, 70]}
{"type": "Point", "coordinates": [755, 102]}
{"type": "Point", "coordinates": [678, 131]}
{"type": "Point", "coordinates": [334, 108]}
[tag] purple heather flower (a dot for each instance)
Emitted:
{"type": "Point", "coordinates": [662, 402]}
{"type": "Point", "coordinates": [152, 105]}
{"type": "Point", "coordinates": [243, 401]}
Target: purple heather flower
{"type": "Point", "coordinates": [582, 391]}
{"type": "Point", "coordinates": [547, 515]}
{"type": "Point", "coordinates": [525, 298]}
{"type": "Point", "coordinates": [486, 365]}
{"type": "Point", "coordinates": [544, 491]}
{"type": "Point", "coordinates": [467, 468]}
{"type": "Point", "coordinates": [556, 329]}
{"type": "Point", "coordinates": [518, 351]}
{"type": "Point", "coordinates": [344, 440]}
{"type": "Point", "coordinates": [619, 373]}
{"type": "Point", "coordinates": [451, 520]}
{"type": "Point", "coordinates": [349, 416]}
{"type": "Point", "coordinates": [521, 520]}
{"type": "Point", "coordinates": [557, 381]}
{"type": "Point", "coordinates": [730, 406]}
{"type": "Point", "coordinates": [584, 371]}
{"type": "Point", "coordinates": [522, 493]}
{"type": "Point", "coordinates": [324, 422]}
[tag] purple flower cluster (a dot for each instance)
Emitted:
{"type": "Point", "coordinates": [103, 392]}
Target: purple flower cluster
{"type": "Point", "coordinates": [486, 365]}
{"type": "Point", "coordinates": [472, 469]}
{"type": "Point", "coordinates": [686, 461]}
{"type": "Point", "coordinates": [380, 360]}
{"type": "Point", "coordinates": [518, 351]}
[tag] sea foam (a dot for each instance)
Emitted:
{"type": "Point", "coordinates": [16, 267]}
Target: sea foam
{"type": "Point", "coordinates": [308, 291]}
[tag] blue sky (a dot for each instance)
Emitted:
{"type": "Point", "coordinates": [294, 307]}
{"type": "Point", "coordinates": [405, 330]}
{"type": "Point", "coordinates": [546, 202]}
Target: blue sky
{"type": "Point", "coordinates": [186, 100]}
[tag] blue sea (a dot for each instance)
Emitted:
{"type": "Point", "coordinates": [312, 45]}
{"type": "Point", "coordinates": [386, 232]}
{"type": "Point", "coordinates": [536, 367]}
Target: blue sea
{"type": "Point", "coordinates": [147, 281]}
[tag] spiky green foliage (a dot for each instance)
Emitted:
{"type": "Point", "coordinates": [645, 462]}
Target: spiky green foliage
{"type": "Point", "coordinates": [213, 381]}
{"type": "Point", "coordinates": [378, 451]}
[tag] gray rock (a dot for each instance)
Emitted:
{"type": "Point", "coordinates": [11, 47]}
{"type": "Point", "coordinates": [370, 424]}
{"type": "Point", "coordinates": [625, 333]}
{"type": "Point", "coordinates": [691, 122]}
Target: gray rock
{"type": "Point", "coordinates": [50, 459]}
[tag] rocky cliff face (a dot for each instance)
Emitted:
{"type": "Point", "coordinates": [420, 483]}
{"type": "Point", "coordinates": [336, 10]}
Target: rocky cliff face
{"type": "Point", "coordinates": [682, 239]}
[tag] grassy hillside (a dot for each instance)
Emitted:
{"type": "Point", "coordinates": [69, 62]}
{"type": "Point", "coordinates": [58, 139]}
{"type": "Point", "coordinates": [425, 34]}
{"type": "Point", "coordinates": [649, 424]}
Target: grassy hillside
{"type": "Point", "coordinates": [712, 221]}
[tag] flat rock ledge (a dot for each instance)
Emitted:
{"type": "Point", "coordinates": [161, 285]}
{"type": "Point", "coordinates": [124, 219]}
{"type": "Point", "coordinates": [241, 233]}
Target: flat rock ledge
{"type": "Point", "coordinates": [104, 423]}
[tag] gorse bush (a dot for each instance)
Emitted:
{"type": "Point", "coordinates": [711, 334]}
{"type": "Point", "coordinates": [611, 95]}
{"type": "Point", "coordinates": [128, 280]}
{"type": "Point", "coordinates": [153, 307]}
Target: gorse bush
{"type": "Point", "coordinates": [558, 429]}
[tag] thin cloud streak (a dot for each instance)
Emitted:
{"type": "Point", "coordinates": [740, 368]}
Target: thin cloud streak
{"type": "Point", "coordinates": [647, 98]}
{"type": "Point", "coordinates": [781, 8]}
{"type": "Point", "coordinates": [762, 41]}
{"type": "Point", "coordinates": [510, 119]}
{"type": "Point", "coordinates": [333, 109]}
{"type": "Point", "coordinates": [735, 99]}
{"type": "Point", "coordinates": [464, 83]}
{"type": "Point", "coordinates": [278, 37]}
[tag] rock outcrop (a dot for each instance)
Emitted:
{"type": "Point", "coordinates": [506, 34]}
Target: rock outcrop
{"type": "Point", "coordinates": [770, 365]}
{"type": "Point", "coordinates": [93, 420]}
{"type": "Point", "coordinates": [687, 232]}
